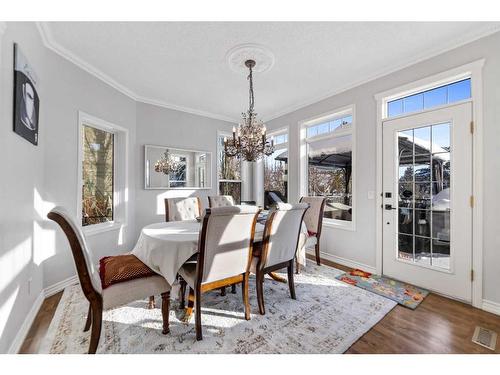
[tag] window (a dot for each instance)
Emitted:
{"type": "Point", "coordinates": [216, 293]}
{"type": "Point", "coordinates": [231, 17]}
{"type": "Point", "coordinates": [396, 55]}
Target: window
{"type": "Point", "coordinates": [328, 169]}
{"type": "Point", "coordinates": [229, 172]}
{"type": "Point", "coordinates": [447, 94]}
{"type": "Point", "coordinates": [276, 171]}
{"type": "Point", "coordinates": [97, 176]}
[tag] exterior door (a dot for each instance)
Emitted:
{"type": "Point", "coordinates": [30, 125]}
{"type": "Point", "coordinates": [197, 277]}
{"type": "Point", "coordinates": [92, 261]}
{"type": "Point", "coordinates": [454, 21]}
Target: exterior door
{"type": "Point", "coordinates": [427, 190]}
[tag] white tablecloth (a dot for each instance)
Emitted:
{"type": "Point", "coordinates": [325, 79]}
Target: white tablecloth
{"type": "Point", "coordinates": [165, 247]}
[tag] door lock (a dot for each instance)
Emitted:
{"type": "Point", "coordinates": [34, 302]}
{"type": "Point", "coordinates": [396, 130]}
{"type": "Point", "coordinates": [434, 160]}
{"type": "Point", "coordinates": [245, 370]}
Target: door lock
{"type": "Point", "coordinates": [389, 207]}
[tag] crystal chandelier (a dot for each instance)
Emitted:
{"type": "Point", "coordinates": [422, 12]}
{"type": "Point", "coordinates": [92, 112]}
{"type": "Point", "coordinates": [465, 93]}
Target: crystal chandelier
{"type": "Point", "coordinates": [167, 163]}
{"type": "Point", "coordinates": [250, 140]}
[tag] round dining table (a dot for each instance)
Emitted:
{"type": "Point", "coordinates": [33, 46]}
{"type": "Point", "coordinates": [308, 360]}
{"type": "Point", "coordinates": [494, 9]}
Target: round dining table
{"type": "Point", "coordinates": [165, 247]}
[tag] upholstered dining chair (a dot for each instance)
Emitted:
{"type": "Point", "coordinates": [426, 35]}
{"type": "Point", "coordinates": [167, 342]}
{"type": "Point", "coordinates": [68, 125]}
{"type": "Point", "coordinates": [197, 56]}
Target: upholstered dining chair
{"type": "Point", "coordinates": [314, 222]}
{"type": "Point", "coordinates": [180, 209]}
{"type": "Point", "coordinates": [279, 245]}
{"type": "Point", "coordinates": [224, 255]}
{"type": "Point", "coordinates": [145, 283]}
{"type": "Point", "coordinates": [220, 201]}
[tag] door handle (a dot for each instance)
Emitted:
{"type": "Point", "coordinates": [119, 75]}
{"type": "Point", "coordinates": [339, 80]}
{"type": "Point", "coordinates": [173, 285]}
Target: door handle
{"type": "Point", "coordinates": [389, 207]}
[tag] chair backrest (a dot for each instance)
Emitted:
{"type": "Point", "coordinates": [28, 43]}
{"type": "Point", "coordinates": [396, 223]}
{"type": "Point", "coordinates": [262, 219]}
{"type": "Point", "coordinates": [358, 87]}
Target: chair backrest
{"type": "Point", "coordinates": [88, 273]}
{"type": "Point", "coordinates": [225, 244]}
{"type": "Point", "coordinates": [281, 234]}
{"type": "Point", "coordinates": [220, 201]}
{"type": "Point", "coordinates": [314, 215]}
{"type": "Point", "coordinates": [181, 209]}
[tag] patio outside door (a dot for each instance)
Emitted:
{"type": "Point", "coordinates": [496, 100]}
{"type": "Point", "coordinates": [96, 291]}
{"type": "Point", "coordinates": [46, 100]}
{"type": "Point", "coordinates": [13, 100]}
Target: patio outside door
{"type": "Point", "coordinates": [427, 189]}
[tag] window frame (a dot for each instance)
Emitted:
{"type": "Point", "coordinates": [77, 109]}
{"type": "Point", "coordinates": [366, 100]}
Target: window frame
{"type": "Point", "coordinates": [222, 134]}
{"type": "Point", "coordinates": [281, 146]}
{"type": "Point", "coordinates": [120, 173]}
{"type": "Point", "coordinates": [304, 152]}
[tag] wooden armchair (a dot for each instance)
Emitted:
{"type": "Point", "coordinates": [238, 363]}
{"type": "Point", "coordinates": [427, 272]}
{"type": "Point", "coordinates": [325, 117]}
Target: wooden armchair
{"type": "Point", "coordinates": [279, 245]}
{"type": "Point", "coordinates": [113, 295]}
{"type": "Point", "coordinates": [314, 222]}
{"type": "Point", "coordinates": [225, 252]}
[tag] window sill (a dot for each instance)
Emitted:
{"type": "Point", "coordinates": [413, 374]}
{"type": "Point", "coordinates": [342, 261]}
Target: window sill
{"type": "Point", "coordinates": [102, 228]}
{"type": "Point", "coordinates": [339, 224]}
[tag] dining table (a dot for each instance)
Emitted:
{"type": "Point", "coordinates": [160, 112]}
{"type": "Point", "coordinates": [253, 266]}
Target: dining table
{"type": "Point", "coordinates": [165, 247]}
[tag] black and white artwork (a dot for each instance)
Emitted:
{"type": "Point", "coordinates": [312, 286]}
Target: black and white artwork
{"type": "Point", "coordinates": [26, 101]}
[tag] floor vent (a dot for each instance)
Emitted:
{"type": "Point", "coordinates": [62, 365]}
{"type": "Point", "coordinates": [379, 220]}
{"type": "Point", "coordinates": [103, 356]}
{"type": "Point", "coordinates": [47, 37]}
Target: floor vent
{"type": "Point", "coordinates": [485, 337]}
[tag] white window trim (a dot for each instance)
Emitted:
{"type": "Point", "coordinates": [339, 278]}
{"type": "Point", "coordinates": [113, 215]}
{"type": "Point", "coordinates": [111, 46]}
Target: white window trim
{"type": "Point", "coordinates": [303, 162]}
{"type": "Point", "coordinates": [120, 178]}
{"type": "Point", "coordinates": [221, 133]}
{"type": "Point", "coordinates": [472, 70]}
{"type": "Point", "coordinates": [283, 146]}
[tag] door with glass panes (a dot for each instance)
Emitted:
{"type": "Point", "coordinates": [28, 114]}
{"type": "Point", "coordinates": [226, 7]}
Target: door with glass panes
{"type": "Point", "coordinates": [427, 187]}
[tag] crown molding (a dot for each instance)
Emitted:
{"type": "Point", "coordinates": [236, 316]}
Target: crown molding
{"type": "Point", "coordinates": [50, 43]}
{"type": "Point", "coordinates": [417, 59]}
{"type": "Point", "coordinates": [3, 26]}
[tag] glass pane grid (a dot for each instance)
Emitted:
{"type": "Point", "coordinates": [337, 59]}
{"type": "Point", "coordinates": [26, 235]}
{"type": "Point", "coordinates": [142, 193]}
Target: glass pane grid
{"type": "Point", "coordinates": [424, 196]}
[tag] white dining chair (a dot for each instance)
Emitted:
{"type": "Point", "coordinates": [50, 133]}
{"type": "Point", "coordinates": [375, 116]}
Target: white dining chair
{"type": "Point", "coordinates": [220, 201]}
{"type": "Point", "coordinates": [314, 222]}
{"type": "Point", "coordinates": [180, 209]}
{"type": "Point", "coordinates": [279, 245]}
{"type": "Point", "coordinates": [101, 296]}
{"type": "Point", "coordinates": [224, 256]}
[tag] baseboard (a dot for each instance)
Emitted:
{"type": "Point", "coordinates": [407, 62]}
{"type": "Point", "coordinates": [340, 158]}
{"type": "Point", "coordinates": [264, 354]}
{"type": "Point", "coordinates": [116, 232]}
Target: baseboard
{"type": "Point", "coordinates": [25, 327]}
{"type": "Point", "coordinates": [492, 307]}
{"type": "Point", "coordinates": [345, 262]}
{"type": "Point", "coordinates": [28, 321]}
{"type": "Point", "coordinates": [61, 285]}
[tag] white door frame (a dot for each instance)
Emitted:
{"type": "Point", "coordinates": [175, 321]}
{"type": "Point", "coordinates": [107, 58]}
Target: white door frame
{"type": "Point", "coordinates": [472, 70]}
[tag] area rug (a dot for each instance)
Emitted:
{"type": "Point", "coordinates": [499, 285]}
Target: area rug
{"type": "Point", "coordinates": [405, 294]}
{"type": "Point", "coordinates": [327, 317]}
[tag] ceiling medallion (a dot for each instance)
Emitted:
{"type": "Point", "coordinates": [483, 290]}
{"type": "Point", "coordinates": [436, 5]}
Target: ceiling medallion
{"type": "Point", "coordinates": [250, 141]}
{"type": "Point", "coordinates": [237, 56]}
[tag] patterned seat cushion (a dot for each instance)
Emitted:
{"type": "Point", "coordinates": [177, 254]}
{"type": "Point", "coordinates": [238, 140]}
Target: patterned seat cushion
{"type": "Point", "coordinates": [120, 268]}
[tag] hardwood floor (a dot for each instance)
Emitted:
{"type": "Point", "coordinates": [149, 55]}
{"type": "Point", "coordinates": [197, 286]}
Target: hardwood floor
{"type": "Point", "coordinates": [438, 325]}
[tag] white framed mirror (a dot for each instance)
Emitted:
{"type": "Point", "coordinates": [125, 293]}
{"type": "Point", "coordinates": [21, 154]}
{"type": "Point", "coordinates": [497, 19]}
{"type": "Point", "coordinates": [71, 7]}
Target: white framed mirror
{"type": "Point", "coordinates": [176, 168]}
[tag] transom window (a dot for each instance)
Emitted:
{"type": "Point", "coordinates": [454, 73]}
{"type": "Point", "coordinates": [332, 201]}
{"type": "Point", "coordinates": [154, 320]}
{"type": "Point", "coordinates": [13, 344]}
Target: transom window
{"type": "Point", "coordinates": [442, 95]}
{"type": "Point", "coordinates": [329, 126]}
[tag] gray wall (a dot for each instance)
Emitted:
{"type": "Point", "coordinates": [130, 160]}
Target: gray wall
{"type": "Point", "coordinates": [359, 246]}
{"type": "Point", "coordinates": [165, 127]}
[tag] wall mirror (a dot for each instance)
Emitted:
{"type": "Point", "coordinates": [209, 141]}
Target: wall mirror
{"type": "Point", "coordinates": [175, 168]}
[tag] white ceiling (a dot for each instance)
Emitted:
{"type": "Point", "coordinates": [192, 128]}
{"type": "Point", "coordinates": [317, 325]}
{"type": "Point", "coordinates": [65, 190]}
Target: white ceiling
{"type": "Point", "coordinates": [182, 65]}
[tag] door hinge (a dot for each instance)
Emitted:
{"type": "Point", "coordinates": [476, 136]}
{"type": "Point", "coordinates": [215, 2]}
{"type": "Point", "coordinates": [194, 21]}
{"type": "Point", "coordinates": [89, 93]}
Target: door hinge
{"type": "Point", "coordinates": [471, 201]}
{"type": "Point", "coordinates": [472, 127]}
{"type": "Point", "coordinates": [471, 275]}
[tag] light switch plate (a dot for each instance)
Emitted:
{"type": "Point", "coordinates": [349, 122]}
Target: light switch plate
{"type": "Point", "coordinates": [371, 194]}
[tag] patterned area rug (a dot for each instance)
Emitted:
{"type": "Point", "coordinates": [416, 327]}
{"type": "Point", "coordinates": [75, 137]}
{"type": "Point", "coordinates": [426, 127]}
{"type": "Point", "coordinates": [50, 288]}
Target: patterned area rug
{"type": "Point", "coordinates": [405, 294]}
{"type": "Point", "coordinates": [327, 317]}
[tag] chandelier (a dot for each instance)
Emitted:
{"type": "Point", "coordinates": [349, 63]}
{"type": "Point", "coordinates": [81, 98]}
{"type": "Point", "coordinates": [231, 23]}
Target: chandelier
{"type": "Point", "coordinates": [167, 164]}
{"type": "Point", "coordinates": [250, 139]}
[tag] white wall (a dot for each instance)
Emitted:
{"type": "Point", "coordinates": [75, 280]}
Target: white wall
{"type": "Point", "coordinates": [165, 127]}
{"type": "Point", "coordinates": [359, 246]}
{"type": "Point", "coordinates": [36, 178]}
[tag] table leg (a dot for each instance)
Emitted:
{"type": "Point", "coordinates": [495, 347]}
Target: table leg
{"type": "Point", "coordinates": [277, 278]}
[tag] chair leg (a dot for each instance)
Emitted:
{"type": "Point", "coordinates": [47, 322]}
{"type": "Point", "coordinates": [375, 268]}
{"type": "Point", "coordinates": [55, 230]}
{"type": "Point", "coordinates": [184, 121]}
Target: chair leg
{"type": "Point", "coordinates": [197, 311]}
{"type": "Point", "coordinates": [245, 296]}
{"type": "Point", "coordinates": [89, 319]}
{"type": "Point", "coordinates": [183, 294]}
{"type": "Point", "coordinates": [291, 284]}
{"type": "Point", "coordinates": [260, 292]}
{"type": "Point", "coordinates": [190, 305]}
{"type": "Point", "coordinates": [165, 311]}
{"type": "Point", "coordinates": [318, 259]}
{"type": "Point", "coordinates": [233, 289]}
{"type": "Point", "coordinates": [96, 326]}
{"type": "Point", "coordinates": [151, 304]}
{"type": "Point", "coordinates": [297, 266]}
{"type": "Point", "coordinates": [223, 291]}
